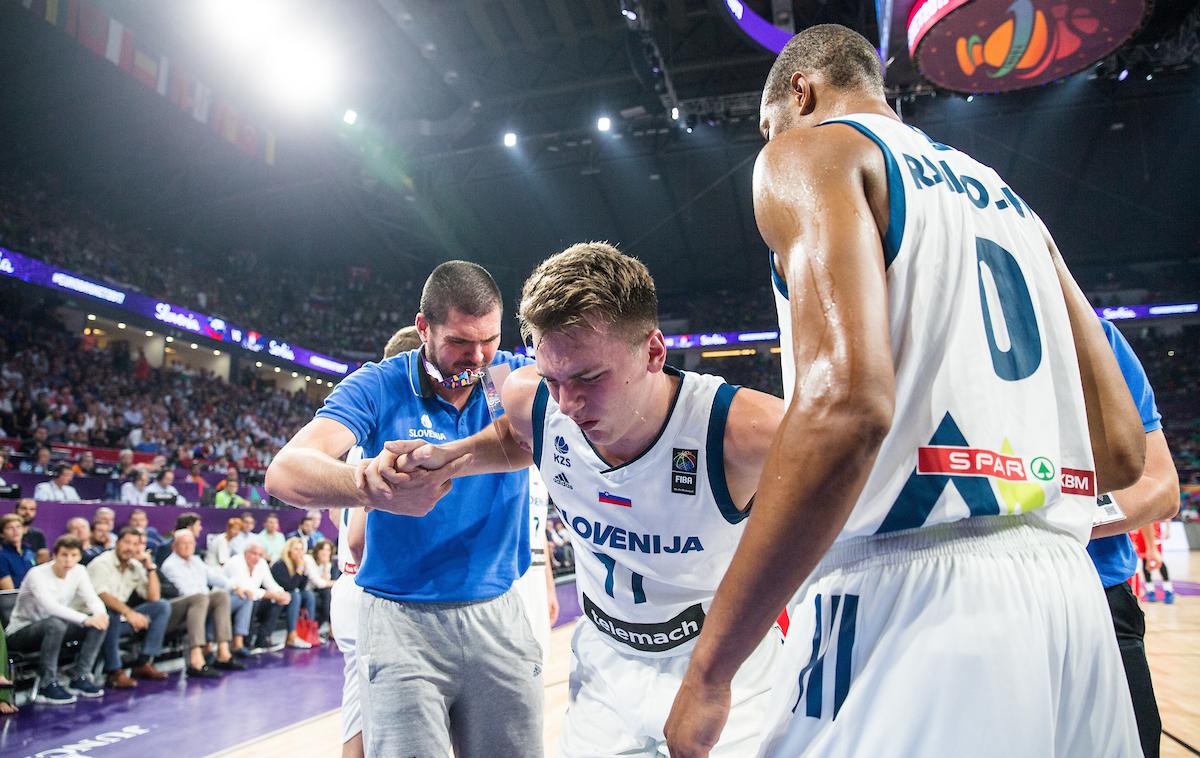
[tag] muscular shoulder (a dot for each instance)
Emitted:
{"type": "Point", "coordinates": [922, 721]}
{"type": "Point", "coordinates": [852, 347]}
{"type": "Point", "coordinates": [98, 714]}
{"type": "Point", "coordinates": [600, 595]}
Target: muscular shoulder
{"type": "Point", "coordinates": [753, 418]}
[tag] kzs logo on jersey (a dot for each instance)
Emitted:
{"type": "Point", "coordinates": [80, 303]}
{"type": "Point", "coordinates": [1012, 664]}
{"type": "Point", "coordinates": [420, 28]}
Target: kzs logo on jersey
{"type": "Point", "coordinates": [683, 471]}
{"type": "Point", "coordinates": [560, 452]}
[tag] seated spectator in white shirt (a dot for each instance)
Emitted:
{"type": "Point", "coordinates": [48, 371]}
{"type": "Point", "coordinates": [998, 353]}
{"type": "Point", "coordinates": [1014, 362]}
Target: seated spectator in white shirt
{"type": "Point", "coordinates": [164, 483]}
{"type": "Point", "coordinates": [204, 598]}
{"type": "Point", "coordinates": [44, 616]}
{"type": "Point", "coordinates": [238, 543]}
{"type": "Point", "coordinates": [250, 571]}
{"type": "Point", "coordinates": [219, 550]}
{"type": "Point", "coordinates": [59, 488]}
{"type": "Point", "coordinates": [319, 568]}
{"type": "Point", "coordinates": [133, 492]}
{"type": "Point", "coordinates": [117, 575]}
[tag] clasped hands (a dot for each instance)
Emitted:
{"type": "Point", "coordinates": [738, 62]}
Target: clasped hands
{"type": "Point", "coordinates": [408, 477]}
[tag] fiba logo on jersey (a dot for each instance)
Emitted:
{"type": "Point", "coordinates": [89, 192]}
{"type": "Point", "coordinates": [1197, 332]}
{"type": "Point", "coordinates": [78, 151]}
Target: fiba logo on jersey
{"type": "Point", "coordinates": [560, 452]}
{"type": "Point", "coordinates": [425, 422]}
{"type": "Point", "coordinates": [683, 471]}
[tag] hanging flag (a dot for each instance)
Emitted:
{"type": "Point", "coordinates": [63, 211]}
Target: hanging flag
{"type": "Point", "coordinates": [201, 102]}
{"type": "Point", "coordinates": [145, 69]}
{"type": "Point", "coordinates": [93, 27]}
{"type": "Point", "coordinates": [164, 72]}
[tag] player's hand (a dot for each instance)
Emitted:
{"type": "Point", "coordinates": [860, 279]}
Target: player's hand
{"type": "Point", "coordinates": [553, 598]}
{"type": "Point", "coordinates": [412, 455]}
{"type": "Point", "coordinates": [697, 717]}
{"type": "Point", "coordinates": [406, 493]}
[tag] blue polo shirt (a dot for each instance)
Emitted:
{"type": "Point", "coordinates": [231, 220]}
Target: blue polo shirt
{"type": "Point", "coordinates": [1114, 556]}
{"type": "Point", "coordinates": [15, 564]}
{"type": "Point", "coordinates": [475, 542]}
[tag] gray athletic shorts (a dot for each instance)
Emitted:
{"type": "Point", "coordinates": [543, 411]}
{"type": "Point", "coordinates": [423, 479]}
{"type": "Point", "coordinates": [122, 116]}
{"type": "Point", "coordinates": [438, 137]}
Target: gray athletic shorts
{"type": "Point", "coordinates": [466, 676]}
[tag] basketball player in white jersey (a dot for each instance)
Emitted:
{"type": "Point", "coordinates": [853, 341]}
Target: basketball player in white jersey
{"type": "Point", "coordinates": [343, 606]}
{"type": "Point", "coordinates": [536, 585]}
{"type": "Point", "coordinates": [932, 485]}
{"type": "Point", "coordinates": [653, 470]}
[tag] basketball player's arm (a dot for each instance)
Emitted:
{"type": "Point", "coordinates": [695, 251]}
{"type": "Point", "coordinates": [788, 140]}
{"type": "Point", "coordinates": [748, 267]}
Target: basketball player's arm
{"type": "Point", "coordinates": [753, 420]}
{"type": "Point", "coordinates": [811, 205]}
{"type": "Point", "coordinates": [1155, 497]}
{"type": "Point", "coordinates": [1114, 426]}
{"type": "Point", "coordinates": [308, 473]}
{"type": "Point", "coordinates": [505, 445]}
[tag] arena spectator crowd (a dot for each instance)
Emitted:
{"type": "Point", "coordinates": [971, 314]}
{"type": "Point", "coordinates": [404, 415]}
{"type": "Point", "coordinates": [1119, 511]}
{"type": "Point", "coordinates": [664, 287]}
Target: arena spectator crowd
{"type": "Point", "coordinates": [122, 598]}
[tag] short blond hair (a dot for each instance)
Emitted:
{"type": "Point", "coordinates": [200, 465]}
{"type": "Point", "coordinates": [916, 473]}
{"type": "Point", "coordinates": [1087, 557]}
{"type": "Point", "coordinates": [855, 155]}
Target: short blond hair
{"type": "Point", "coordinates": [589, 284]}
{"type": "Point", "coordinates": [402, 341]}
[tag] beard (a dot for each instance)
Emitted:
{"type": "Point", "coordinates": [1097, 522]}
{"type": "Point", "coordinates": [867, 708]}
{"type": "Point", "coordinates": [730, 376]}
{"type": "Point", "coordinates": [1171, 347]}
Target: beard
{"type": "Point", "coordinates": [447, 369]}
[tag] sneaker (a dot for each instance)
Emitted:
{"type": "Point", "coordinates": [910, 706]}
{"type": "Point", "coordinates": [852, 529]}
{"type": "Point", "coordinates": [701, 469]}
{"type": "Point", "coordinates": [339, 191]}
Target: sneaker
{"type": "Point", "coordinates": [275, 648]}
{"type": "Point", "coordinates": [300, 644]}
{"type": "Point", "coordinates": [229, 665]}
{"type": "Point", "coordinates": [243, 652]}
{"type": "Point", "coordinates": [1151, 596]}
{"type": "Point", "coordinates": [84, 688]}
{"type": "Point", "coordinates": [54, 694]}
{"type": "Point", "coordinates": [1169, 597]}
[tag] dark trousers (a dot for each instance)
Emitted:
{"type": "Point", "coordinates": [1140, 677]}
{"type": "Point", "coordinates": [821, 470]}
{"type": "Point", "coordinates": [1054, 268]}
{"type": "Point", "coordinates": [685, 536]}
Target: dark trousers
{"type": "Point", "coordinates": [1130, 625]}
{"type": "Point", "coordinates": [266, 612]}
{"type": "Point", "coordinates": [47, 636]}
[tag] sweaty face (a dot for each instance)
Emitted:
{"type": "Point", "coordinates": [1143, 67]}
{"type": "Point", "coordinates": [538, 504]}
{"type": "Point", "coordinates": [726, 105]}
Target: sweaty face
{"type": "Point", "coordinates": [598, 379]}
{"type": "Point", "coordinates": [463, 342]}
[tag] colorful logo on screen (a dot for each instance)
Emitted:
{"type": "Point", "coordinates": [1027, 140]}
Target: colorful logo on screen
{"type": "Point", "coordinates": [1026, 43]}
{"type": "Point", "coordinates": [253, 342]}
{"type": "Point", "coordinates": [610, 499]}
{"type": "Point", "coordinates": [215, 328]}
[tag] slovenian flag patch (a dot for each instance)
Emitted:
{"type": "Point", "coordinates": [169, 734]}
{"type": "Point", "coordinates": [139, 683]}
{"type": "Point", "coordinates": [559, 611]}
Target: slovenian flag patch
{"type": "Point", "coordinates": [624, 502]}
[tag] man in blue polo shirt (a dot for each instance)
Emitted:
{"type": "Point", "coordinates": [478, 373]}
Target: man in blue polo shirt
{"type": "Point", "coordinates": [446, 655]}
{"type": "Point", "coordinates": [1153, 498]}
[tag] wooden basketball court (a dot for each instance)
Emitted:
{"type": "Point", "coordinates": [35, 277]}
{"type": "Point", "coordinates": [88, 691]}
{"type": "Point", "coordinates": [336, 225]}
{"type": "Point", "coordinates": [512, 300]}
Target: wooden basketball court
{"type": "Point", "coordinates": [1172, 641]}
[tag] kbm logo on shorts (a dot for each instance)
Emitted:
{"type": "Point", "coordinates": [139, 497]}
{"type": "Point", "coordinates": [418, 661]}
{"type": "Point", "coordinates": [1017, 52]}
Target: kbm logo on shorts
{"type": "Point", "coordinates": [648, 638]}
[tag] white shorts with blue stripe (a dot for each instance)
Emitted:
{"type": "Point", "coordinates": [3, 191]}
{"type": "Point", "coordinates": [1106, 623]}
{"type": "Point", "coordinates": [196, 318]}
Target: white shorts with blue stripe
{"type": "Point", "coordinates": [986, 637]}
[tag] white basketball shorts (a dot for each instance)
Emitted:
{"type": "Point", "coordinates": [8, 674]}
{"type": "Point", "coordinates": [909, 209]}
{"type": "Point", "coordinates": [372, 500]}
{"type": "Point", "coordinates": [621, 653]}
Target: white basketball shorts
{"type": "Point", "coordinates": [987, 637]}
{"type": "Point", "coordinates": [619, 702]}
{"type": "Point", "coordinates": [343, 621]}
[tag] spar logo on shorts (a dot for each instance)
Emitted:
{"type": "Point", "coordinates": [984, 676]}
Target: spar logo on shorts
{"type": "Point", "coordinates": [648, 638]}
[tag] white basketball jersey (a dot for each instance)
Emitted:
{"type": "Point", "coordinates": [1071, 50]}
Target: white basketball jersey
{"type": "Point", "coordinates": [652, 536]}
{"type": "Point", "coordinates": [344, 557]}
{"type": "Point", "coordinates": [989, 415]}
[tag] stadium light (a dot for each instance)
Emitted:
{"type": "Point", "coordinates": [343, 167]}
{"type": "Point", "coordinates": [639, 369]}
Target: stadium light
{"type": "Point", "coordinates": [604, 123]}
{"type": "Point", "coordinates": [195, 346]}
{"type": "Point", "coordinates": [216, 352]}
{"type": "Point", "coordinates": [277, 369]}
{"type": "Point", "coordinates": [120, 324]}
{"type": "Point", "coordinates": [91, 317]}
{"type": "Point", "coordinates": [300, 72]}
{"type": "Point", "coordinates": [675, 113]}
{"type": "Point", "coordinates": [510, 139]}
{"type": "Point", "coordinates": [170, 338]}
{"type": "Point", "coordinates": [149, 333]}
{"type": "Point", "coordinates": [350, 117]}
{"type": "Point", "coordinates": [970, 98]}
{"type": "Point", "coordinates": [295, 375]}
{"type": "Point", "coordinates": [1123, 75]}
{"type": "Point", "coordinates": [258, 364]}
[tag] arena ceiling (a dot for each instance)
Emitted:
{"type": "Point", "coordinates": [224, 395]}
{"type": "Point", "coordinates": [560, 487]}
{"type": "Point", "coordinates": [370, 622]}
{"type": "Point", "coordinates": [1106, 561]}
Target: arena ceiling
{"type": "Point", "coordinates": [422, 176]}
